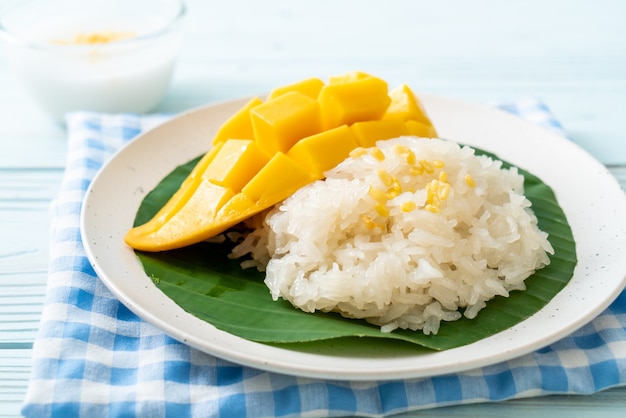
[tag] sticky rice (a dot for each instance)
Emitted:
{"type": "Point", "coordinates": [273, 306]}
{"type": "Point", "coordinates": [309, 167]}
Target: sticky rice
{"type": "Point", "coordinates": [405, 235]}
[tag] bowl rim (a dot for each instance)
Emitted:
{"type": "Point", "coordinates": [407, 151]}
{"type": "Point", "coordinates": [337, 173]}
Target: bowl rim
{"type": "Point", "coordinates": [17, 40]}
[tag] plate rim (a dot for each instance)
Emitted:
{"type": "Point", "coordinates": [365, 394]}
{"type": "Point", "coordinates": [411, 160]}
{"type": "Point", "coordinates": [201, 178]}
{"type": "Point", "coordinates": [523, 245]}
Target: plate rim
{"type": "Point", "coordinates": [270, 358]}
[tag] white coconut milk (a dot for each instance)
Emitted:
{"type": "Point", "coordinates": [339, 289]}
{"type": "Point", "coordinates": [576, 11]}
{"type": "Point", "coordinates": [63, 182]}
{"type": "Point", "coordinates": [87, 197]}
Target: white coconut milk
{"type": "Point", "coordinates": [129, 75]}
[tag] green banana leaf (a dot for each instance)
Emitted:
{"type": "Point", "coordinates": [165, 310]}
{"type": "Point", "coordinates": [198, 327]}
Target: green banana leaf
{"type": "Point", "coordinates": [203, 281]}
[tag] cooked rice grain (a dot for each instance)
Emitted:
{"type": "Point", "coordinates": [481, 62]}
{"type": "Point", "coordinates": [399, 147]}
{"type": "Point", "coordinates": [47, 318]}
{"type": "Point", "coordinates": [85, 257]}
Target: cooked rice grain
{"type": "Point", "coordinates": [412, 233]}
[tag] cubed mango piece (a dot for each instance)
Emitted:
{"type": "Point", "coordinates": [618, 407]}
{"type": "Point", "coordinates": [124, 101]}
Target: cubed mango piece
{"type": "Point", "coordinates": [420, 129]}
{"type": "Point", "coordinates": [323, 151]}
{"type": "Point", "coordinates": [237, 161]}
{"type": "Point", "coordinates": [346, 77]}
{"type": "Point", "coordinates": [310, 87]}
{"type": "Point", "coordinates": [239, 125]}
{"type": "Point", "coordinates": [278, 179]}
{"type": "Point", "coordinates": [368, 132]}
{"type": "Point", "coordinates": [353, 100]}
{"type": "Point", "coordinates": [406, 106]}
{"type": "Point", "coordinates": [281, 122]}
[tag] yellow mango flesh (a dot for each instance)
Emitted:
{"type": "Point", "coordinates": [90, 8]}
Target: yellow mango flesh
{"type": "Point", "coordinates": [422, 130]}
{"type": "Point", "coordinates": [238, 208]}
{"type": "Point", "coordinates": [368, 132]}
{"type": "Point", "coordinates": [239, 125]}
{"type": "Point", "coordinates": [405, 105]}
{"type": "Point", "coordinates": [182, 195]}
{"type": "Point", "coordinates": [310, 87]}
{"type": "Point", "coordinates": [268, 150]}
{"type": "Point", "coordinates": [347, 77]}
{"type": "Point", "coordinates": [279, 178]}
{"type": "Point", "coordinates": [353, 99]}
{"type": "Point", "coordinates": [323, 151]}
{"type": "Point", "coordinates": [281, 122]}
{"type": "Point", "coordinates": [237, 161]}
{"type": "Point", "coordinates": [192, 223]}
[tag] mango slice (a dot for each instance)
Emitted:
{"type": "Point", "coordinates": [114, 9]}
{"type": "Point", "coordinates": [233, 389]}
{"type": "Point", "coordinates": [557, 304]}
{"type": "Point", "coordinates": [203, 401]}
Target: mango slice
{"type": "Point", "coordinates": [405, 105]}
{"type": "Point", "coordinates": [238, 208]}
{"type": "Point", "coordinates": [353, 98]}
{"type": "Point", "coordinates": [182, 195]}
{"type": "Point", "coordinates": [239, 125]}
{"type": "Point", "coordinates": [269, 149]}
{"type": "Point", "coordinates": [281, 122]}
{"type": "Point", "coordinates": [422, 130]}
{"type": "Point", "coordinates": [278, 179]}
{"type": "Point", "coordinates": [323, 151]}
{"type": "Point", "coordinates": [310, 87]}
{"type": "Point", "coordinates": [347, 77]}
{"type": "Point", "coordinates": [237, 161]}
{"type": "Point", "coordinates": [368, 132]}
{"type": "Point", "coordinates": [192, 223]}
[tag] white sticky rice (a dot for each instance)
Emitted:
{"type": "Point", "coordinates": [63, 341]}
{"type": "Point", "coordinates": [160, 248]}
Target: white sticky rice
{"type": "Point", "coordinates": [384, 238]}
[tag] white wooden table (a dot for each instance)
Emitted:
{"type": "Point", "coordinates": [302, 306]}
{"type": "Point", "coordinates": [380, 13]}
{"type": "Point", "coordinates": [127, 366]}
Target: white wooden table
{"type": "Point", "coordinates": [571, 54]}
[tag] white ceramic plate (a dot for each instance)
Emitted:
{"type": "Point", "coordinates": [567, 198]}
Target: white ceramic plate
{"type": "Point", "coordinates": [592, 199]}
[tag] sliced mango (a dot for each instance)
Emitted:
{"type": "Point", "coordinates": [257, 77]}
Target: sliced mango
{"type": "Point", "coordinates": [347, 77]}
{"type": "Point", "coordinates": [192, 223]}
{"type": "Point", "coordinates": [239, 125]}
{"type": "Point", "coordinates": [353, 98]}
{"type": "Point", "coordinates": [279, 178]}
{"type": "Point", "coordinates": [368, 132]}
{"type": "Point", "coordinates": [323, 151]}
{"type": "Point", "coordinates": [237, 161]}
{"type": "Point", "coordinates": [268, 150]}
{"type": "Point", "coordinates": [310, 87]}
{"type": "Point", "coordinates": [420, 129]}
{"type": "Point", "coordinates": [237, 209]}
{"type": "Point", "coordinates": [281, 122]}
{"type": "Point", "coordinates": [405, 105]}
{"type": "Point", "coordinates": [182, 195]}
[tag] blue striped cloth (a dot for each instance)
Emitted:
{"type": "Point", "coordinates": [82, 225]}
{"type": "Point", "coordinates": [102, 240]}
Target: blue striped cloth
{"type": "Point", "coordinates": [93, 357]}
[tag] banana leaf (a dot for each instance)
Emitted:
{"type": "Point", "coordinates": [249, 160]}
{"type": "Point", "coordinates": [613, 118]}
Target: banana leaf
{"type": "Point", "coordinates": [204, 282]}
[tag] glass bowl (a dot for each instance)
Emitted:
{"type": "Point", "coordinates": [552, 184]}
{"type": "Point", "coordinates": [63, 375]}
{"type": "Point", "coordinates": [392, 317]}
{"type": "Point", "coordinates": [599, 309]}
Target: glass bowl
{"type": "Point", "coordinates": [97, 55]}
